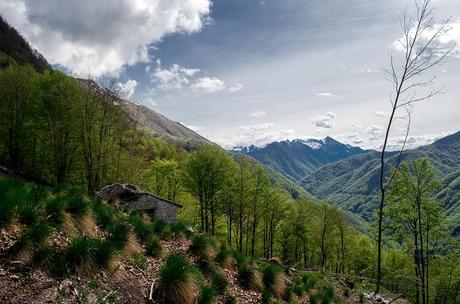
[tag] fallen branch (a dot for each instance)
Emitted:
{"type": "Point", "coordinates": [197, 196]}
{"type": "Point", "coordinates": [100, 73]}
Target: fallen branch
{"type": "Point", "coordinates": [151, 291]}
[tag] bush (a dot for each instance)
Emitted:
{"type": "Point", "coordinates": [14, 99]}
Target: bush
{"type": "Point", "coordinates": [207, 295]}
{"type": "Point", "coordinates": [153, 247]}
{"type": "Point", "coordinates": [176, 284]}
{"type": "Point", "coordinates": [273, 280]}
{"type": "Point", "coordinates": [219, 283]}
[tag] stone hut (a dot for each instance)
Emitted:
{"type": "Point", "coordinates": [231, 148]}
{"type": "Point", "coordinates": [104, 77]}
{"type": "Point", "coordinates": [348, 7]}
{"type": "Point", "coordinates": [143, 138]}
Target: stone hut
{"type": "Point", "coordinates": [134, 198]}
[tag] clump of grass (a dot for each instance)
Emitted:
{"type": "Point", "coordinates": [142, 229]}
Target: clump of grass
{"type": "Point", "coordinates": [181, 229]}
{"type": "Point", "coordinates": [310, 279]}
{"type": "Point", "coordinates": [153, 247]}
{"type": "Point", "coordinates": [247, 276]}
{"type": "Point", "coordinates": [273, 280]}
{"type": "Point", "coordinates": [103, 213]}
{"type": "Point", "coordinates": [50, 261]}
{"type": "Point", "coordinates": [55, 209]}
{"type": "Point", "coordinates": [223, 257]}
{"type": "Point", "coordinates": [325, 295]}
{"type": "Point", "coordinates": [219, 283]}
{"type": "Point", "coordinates": [207, 295]}
{"type": "Point", "coordinates": [200, 246]}
{"type": "Point", "coordinates": [11, 191]}
{"type": "Point", "coordinates": [139, 260]}
{"type": "Point", "coordinates": [176, 284]}
{"type": "Point", "coordinates": [231, 300]}
{"type": "Point", "coordinates": [29, 209]}
{"type": "Point", "coordinates": [118, 231]}
{"type": "Point", "coordinates": [85, 255]}
{"type": "Point", "coordinates": [32, 237]}
{"type": "Point", "coordinates": [76, 204]}
{"type": "Point", "coordinates": [141, 228]}
{"type": "Point", "coordinates": [159, 226]}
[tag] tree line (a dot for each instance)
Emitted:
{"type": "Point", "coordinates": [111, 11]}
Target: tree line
{"type": "Point", "coordinates": [63, 131]}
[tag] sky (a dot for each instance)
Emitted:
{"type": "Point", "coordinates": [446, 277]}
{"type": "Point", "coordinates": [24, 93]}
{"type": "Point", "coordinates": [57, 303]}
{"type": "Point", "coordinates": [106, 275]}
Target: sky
{"type": "Point", "coordinates": [243, 72]}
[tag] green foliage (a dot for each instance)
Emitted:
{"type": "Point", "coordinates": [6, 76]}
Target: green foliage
{"type": "Point", "coordinates": [55, 208]}
{"type": "Point", "coordinates": [247, 276]}
{"type": "Point", "coordinates": [219, 282]}
{"type": "Point", "coordinates": [208, 295]}
{"type": "Point", "coordinates": [310, 279]}
{"type": "Point", "coordinates": [33, 236]}
{"type": "Point", "coordinates": [118, 231]}
{"type": "Point", "coordinates": [11, 192]}
{"type": "Point", "coordinates": [142, 229]}
{"type": "Point", "coordinates": [103, 213]}
{"type": "Point", "coordinates": [153, 247]}
{"type": "Point", "coordinates": [200, 246]}
{"type": "Point", "coordinates": [176, 283]}
{"type": "Point", "coordinates": [273, 280]}
{"type": "Point", "coordinates": [76, 203]}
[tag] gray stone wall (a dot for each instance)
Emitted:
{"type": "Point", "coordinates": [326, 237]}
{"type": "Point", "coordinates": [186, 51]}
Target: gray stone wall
{"type": "Point", "coordinates": [166, 212]}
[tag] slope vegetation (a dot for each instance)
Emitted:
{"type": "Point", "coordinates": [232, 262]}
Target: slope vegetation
{"type": "Point", "coordinates": [353, 183]}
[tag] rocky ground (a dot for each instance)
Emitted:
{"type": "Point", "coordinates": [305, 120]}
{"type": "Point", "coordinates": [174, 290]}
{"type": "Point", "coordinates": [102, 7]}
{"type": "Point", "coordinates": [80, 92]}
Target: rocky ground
{"type": "Point", "coordinates": [129, 281]}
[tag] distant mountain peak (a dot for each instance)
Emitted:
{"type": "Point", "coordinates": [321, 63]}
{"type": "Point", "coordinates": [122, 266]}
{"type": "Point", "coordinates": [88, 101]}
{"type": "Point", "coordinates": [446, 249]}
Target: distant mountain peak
{"type": "Point", "coordinates": [298, 158]}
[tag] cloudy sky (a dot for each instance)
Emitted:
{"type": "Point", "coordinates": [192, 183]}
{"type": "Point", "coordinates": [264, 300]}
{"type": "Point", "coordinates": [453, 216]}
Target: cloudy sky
{"type": "Point", "coordinates": [248, 71]}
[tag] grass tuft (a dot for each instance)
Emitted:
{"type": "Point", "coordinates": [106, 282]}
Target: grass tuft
{"type": "Point", "coordinates": [219, 282]}
{"type": "Point", "coordinates": [208, 295]}
{"type": "Point", "coordinates": [176, 283]}
{"type": "Point", "coordinates": [153, 247]}
{"type": "Point", "coordinates": [273, 281]}
{"type": "Point", "coordinates": [247, 276]}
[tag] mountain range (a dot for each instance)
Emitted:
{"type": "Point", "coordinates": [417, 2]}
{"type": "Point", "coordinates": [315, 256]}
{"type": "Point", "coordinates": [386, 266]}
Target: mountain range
{"type": "Point", "coordinates": [298, 158]}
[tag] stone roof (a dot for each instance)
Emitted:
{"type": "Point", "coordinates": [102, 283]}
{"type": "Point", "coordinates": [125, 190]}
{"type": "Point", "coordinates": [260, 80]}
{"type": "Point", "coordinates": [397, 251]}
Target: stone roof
{"type": "Point", "coordinates": [133, 197]}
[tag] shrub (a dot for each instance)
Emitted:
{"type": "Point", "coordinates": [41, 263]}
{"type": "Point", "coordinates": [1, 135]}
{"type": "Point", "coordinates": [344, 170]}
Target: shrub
{"type": "Point", "coordinates": [207, 295]}
{"type": "Point", "coordinates": [219, 283]}
{"type": "Point", "coordinates": [153, 247]}
{"type": "Point", "coordinates": [273, 280]}
{"type": "Point", "coordinates": [176, 284]}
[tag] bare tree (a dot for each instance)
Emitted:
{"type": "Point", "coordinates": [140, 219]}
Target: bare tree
{"type": "Point", "coordinates": [421, 51]}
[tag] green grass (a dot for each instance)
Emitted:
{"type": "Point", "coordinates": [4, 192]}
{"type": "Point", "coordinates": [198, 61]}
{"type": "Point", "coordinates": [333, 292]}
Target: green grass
{"type": "Point", "coordinates": [32, 237]}
{"type": "Point", "coordinates": [76, 203]}
{"type": "Point", "coordinates": [55, 209]}
{"type": "Point", "coordinates": [103, 213]}
{"type": "Point", "coordinates": [142, 229]}
{"type": "Point", "coordinates": [176, 283]}
{"type": "Point", "coordinates": [310, 279]}
{"type": "Point", "coordinates": [219, 282]}
{"type": "Point", "coordinates": [273, 280]}
{"type": "Point", "coordinates": [208, 295]}
{"type": "Point", "coordinates": [119, 231]}
{"type": "Point", "coordinates": [153, 247]}
{"type": "Point", "coordinates": [11, 191]}
{"type": "Point", "coordinates": [247, 276]}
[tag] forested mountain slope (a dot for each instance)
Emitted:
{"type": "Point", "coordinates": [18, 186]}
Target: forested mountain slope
{"type": "Point", "coordinates": [14, 49]}
{"type": "Point", "coordinates": [353, 183]}
{"type": "Point", "coordinates": [298, 158]}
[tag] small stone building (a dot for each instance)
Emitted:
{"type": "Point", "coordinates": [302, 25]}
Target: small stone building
{"type": "Point", "coordinates": [134, 198]}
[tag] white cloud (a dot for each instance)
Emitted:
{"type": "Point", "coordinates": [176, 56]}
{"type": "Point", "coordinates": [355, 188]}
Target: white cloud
{"type": "Point", "coordinates": [98, 37]}
{"type": "Point", "coordinates": [355, 123]}
{"type": "Point", "coordinates": [326, 94]}
{"type": "Point", "coordinates": [325, 121]}
{"type": "Point", "coordinates": [128, 88]}
{"type": "Point", "coordinates": [258, 114]}
{"type": "Point", "coordinates": [254, 134]}
{"type": "Point", "coordinates": [235, 88]}
{"type": "Point", "coordinates": [374, 131]}
{"type": "Point", "coordinates": [208, 85]}
{"type": "Point", "coordinates": [173, 78]}
{"type": "Point", "coordinates": [446, 41]}
{"type": "Point", "coordinates": [379, 113]}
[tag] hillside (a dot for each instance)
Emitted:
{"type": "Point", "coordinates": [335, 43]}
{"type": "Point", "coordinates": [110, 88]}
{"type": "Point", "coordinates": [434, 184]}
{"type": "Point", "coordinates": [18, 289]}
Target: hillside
{"type": "Point", "coordinates": [353, 183]}
{"type": "Point", "coordinates": [298, 158]}
{"type": "Point", "coordinates": [15, 49]}
{"type": "Point", "coordinates": [92, 251]}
